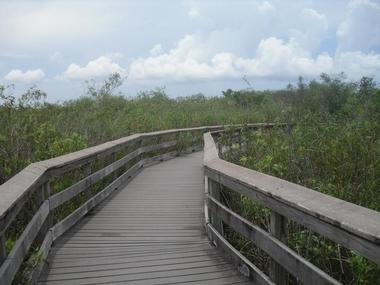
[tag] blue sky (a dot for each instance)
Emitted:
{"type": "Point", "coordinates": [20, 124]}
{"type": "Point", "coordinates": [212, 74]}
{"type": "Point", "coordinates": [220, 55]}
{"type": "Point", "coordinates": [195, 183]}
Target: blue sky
{"type": "Point", "coordinates": [185, 46]}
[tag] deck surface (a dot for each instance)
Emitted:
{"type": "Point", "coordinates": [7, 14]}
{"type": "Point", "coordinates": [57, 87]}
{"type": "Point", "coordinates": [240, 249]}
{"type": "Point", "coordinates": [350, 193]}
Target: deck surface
{"type": "Point", "coordinates": [150, 232]}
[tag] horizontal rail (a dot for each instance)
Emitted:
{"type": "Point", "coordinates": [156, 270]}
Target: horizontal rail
{"type": "Point", "coordinates": [299, 267]}
{"type": "Point", "coordinates": [34, 181]}
{"type": "Point", "coordinates": [244, 266]}
{"type": "Point", "coordinates": [350, 225]}
{"type": "Point", "coordinates": [15, 191]}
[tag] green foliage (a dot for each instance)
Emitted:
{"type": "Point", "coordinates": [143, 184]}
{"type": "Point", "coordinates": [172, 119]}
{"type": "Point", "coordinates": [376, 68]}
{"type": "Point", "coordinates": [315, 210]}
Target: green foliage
{"type": "Point", "coordinates": [333, 146]}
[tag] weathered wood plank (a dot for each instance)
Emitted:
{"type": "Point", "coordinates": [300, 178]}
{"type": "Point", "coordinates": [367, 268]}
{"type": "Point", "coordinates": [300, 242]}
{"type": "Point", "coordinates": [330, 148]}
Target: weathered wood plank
{"type": "Point", "coordinates": [75, 216]}
{"type": "Point", "coordinates": [18, 189]}
{"type": "Point", "coordinates": [68, 193]}
{"type": "Point", "coordinates": [142, 237]}
{"type": "Point", "coordinates": [15, 191]}
{"type": "Point", "coordinates": [278, 230]}
{"type": "Point", "coordinates": [44, 252]}
{"type": "Point", "coordinates": [3, 250]}
{"type": "Point", "coordinates": [299, 267]}
{"type": "Point", "coordinates": [14, 259]}
{"type": "Point", "coordinates": [353, 226]}
{"type": "Point", "coordinates": [245, 267]}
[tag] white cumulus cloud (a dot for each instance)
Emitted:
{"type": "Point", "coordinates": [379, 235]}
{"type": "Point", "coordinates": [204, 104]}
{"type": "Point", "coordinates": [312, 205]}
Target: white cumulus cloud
{"type": "Point", "coordinates": [358, 64]}
{"type": "Point", "coordinates": [193, 12]}
{"type": "Point", "coordinates": [265, 7]}
{"type": "Point", "coordinates": [28, 76]}
{"type": "Point", "coordinates": [274, 59]}
{"type": "Point", "coordinates": [156, 50]}
{"type": "Point", "coordinates": [312, 28]}
{"type": "Point", "coordinates": [102, 66]}
{"type": "Point", "coordinates": [56, 57]}
{"type": "Point", "coordinates": [360, 29]}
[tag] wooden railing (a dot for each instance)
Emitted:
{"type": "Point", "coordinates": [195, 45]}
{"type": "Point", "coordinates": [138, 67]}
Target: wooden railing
{"type": "Point", "coordinates": [32, 189]}
{"type": "Point", "coordinates": [349, 225]}
{"type": "Point", "coordinates": [50, 210]}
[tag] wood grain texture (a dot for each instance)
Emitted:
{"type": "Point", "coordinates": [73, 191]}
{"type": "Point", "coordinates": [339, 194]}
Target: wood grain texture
{"type": "Point", "coordinates": [15, 192]}
{"type": "Point", "coordinates": [16, 256]}
{"type": "Point", "coordinates": [149, 232]}
{"type": "Point", "coordinates": [299, 267]}
{"type": "Point", "coordinates": [352, 226]}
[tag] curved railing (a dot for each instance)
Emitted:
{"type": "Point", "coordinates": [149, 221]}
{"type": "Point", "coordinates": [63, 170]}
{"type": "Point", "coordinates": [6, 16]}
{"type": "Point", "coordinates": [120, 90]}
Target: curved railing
{"type": "Point", "coordinates": [39, 211]}
{"type": "Point", "coordinates": [350, 225]}
{"type": "Point", "coordinates": [52, 195]}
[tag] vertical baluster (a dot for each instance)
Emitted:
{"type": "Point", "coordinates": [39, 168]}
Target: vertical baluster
{"type": "Point", "coordinates": [42, 195]}
{"type": "Point", "coordinates": [87, 172]}
{"type": "Point", "coordinates": [220, 150]}
{"type": "Point", "coordinates": [177, 137]}
{"type": "Point", "coordinates": [113, 159]}
{"type": "Point", "coordinates": [140, 145]}
{"type": "Point", "coordinates": [214, 190]}
{"type": "Point", "coordinates": [278, 229]}
{"type": "Point", "coordinates": [47, 193]}
{"type": "Point", "coordinates": [3, 249]}
{"type": "Point", "coordinates": [158, 140]}
{"type": "Point", "coordinates": [193, 140]}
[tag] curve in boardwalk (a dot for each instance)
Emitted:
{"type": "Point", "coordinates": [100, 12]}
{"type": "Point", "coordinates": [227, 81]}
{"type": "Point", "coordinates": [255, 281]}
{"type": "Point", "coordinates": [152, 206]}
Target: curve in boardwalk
{"type": "Point", "coordinates": [150, 232]}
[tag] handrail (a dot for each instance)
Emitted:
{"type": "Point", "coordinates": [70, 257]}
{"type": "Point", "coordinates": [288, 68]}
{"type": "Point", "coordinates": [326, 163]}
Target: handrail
{"type": "Point", "coordinates": [35, 180]}
{"type": "Point", "coordinates": [348, 224]}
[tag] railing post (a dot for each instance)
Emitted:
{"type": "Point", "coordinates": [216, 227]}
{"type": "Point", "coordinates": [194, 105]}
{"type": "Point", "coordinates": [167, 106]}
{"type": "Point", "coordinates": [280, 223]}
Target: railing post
{"type": "Point", "coordinates": [113, 159]}
{"type": "Point", "coordinates": [43, 195]}
{"type": "Point", "coordinates": [278, 229]}
{"type": "Point", "coordinates": [177, 138]}
{"type": "Point", "coordinates": [214, 190]}
{"type": "Point", "coordinates": [87, 172]}
{"type": "Point", "coordinates": [206, 209]}
{"type": "Point", "coordinates": [47, 193]}
{"type": "Point", "coordinates": [140, 145]}
{"type": "Point", "coordinates": [3, 249]}
{"type": "Point", "coordinates": [220, 150]}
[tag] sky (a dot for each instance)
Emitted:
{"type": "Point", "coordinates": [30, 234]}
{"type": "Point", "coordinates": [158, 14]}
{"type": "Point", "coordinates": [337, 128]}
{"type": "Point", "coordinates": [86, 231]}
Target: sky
{"type": "Point", "coordinates": [186, 46]}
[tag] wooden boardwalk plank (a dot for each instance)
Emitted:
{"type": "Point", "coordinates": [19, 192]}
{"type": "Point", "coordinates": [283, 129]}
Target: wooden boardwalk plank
{"type": "Point", "coordinates": [147, 233]}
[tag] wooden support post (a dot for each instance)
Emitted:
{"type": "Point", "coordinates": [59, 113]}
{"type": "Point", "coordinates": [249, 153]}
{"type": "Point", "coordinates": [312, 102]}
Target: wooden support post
{"type": "Point", "coordinates": [159, 139]}
{"type": "Point", "coordinates": [220, 150]}
{"type": "Point", "coordinates": [47, 193]}
{"type": "Point", "coordinates": [113, 159]}
{"type": "Point", "coordinates": [193, 140]}
{"type": "Point", "coordinates": [44, 194]}
{"type": "Point", "coordinates": [206, 208]}
{"type": "Point", "coordinates": [214, 190]}
{"type": "Point", "coordinates": [179, 146]}
{"type": "Point", "coordinates": [140, 145]}
{"type": "Point", "coordinates": [87, 172]}
{"type": "Point", "coordinates": [278, 229]}
{"type": "Point", "coordinates": [3, 249]}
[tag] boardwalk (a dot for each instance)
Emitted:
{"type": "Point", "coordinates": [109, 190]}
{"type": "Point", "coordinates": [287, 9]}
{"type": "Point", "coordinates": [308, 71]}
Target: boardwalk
{"type": "Point", "coordinates": [150, 232]}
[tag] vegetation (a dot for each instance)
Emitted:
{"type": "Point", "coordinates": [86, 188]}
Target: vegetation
{"type": "Point", "coordinates": [332, 147]}
{"type": "Point", "coordinates": [33, 129]}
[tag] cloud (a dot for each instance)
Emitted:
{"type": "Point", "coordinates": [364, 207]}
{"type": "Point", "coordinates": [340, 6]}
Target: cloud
{"type": "Point", "coordinates": [265, 7]}
{"type": "Point", "coordinates": [360, 28]}
{"type": "Point", "coordinates": [56, 57]}
{"type": "Point", "coordinates": [184, 61]}
{"type": "Point", "coordinates": [29, 76]}
{"type": "Point", "coordinates": [358, 64]}
{"type": "Point", "coordinates": [102, 66]}
{"type": "Point", "coordinates": [156, 50]}
{"type": "Point", "coordinates": [193, 12]}
{"type": "Point", "coordinates": [274, 59]}
{"type": "Point", "coordinates": [279, 59]}
{"type": "Point", "coordinates": [312, 28]}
